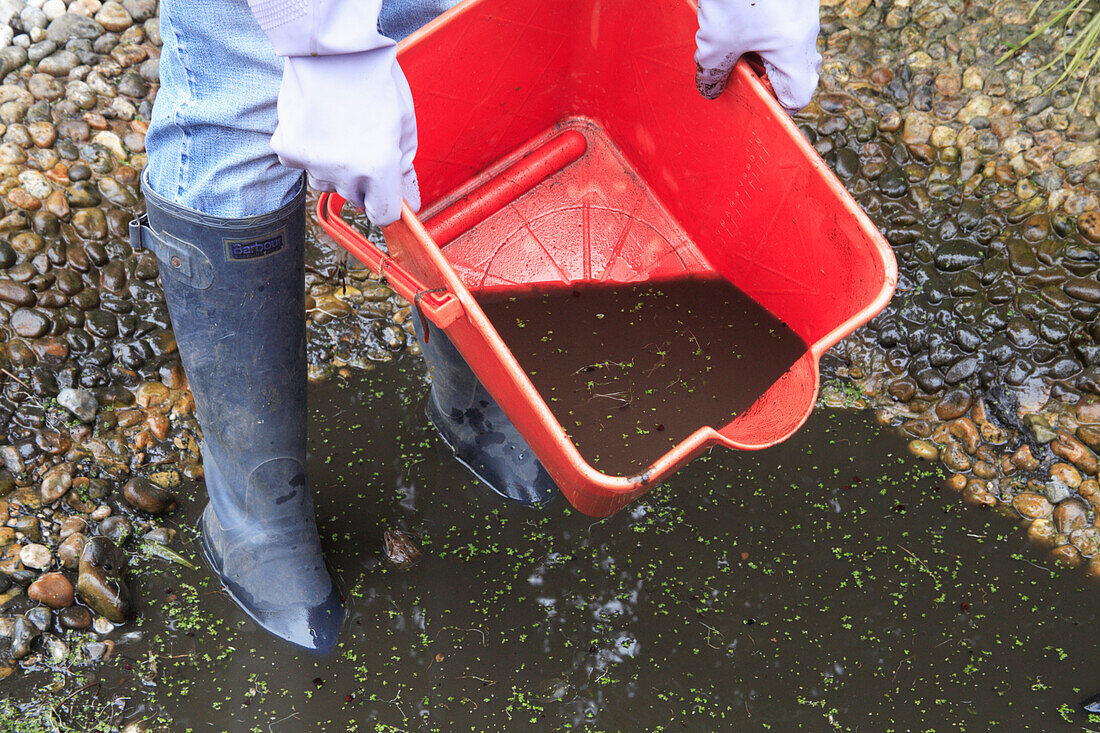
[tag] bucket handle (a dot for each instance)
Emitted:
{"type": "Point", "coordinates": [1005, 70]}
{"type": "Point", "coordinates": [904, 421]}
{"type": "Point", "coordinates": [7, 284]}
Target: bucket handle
{"type": "Point", "coordinates": [439, 305]}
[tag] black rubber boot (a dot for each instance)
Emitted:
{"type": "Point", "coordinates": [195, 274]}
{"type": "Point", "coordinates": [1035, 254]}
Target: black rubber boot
{"type": "Point", "coordinates": [472, 423]}
{"type": "Point", "coordinates": [236, 296]}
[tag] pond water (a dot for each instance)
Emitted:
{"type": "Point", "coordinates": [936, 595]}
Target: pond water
{"type": "Point", "coordinates": [825, 584]}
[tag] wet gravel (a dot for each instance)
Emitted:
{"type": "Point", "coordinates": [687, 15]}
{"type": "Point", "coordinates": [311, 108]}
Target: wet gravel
{"type": "Point", "coordinates": [987, 359]}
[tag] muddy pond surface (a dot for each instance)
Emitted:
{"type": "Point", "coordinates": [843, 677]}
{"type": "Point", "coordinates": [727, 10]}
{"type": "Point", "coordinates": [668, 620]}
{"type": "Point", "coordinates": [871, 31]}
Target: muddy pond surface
{"type": "Point", "coordinates": [631, 370]}
{"type": "Point", "coordinates": [825, 584]}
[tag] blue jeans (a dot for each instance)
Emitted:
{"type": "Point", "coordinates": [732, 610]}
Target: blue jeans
{"type": "Point", "coordinates": [209, 140]}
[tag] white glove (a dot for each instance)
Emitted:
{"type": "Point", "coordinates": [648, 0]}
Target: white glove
{"type": "Point", "coordinates": [783, 32]}
{"type": "Point", "coordinates": [345, 110]}
{"type": "Point", "coordinates": [348, 121]}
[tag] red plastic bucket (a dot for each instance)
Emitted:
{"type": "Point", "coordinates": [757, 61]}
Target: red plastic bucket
{"type": "Point", "coordinates": [565, 142]}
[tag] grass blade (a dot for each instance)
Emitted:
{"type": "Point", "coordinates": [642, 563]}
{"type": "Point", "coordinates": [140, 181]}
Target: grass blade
{"type": "Point", "coordinates": [157, 550]}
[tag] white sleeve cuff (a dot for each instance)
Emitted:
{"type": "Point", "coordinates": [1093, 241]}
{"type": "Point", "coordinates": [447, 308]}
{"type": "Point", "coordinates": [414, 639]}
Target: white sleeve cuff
{"type": "Point", "coordinates": [320, 27]}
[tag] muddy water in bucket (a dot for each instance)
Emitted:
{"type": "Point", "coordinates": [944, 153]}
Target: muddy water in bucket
{"type": "Point", "coordinates": [630, 370]}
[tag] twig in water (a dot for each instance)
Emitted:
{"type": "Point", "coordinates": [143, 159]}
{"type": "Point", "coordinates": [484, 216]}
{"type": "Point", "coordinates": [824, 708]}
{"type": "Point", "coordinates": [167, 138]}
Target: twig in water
{"type": "Point", "coordinates": [78, 690]}
{"type": "Point", "coordinates": [280, 720]}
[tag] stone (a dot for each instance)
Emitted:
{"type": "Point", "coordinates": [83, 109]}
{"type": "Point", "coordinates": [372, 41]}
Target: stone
{"type": "Point", "coordinates": [35, 183]}
{"type": "Point", "coordinates": [400, 549]}
{"type": "Point", "coordinates": [113, 142]}
{"type": "Point", "coordinates": [79, 402]}
{"type": "Point", "coordinates": [116, 528]}
{"type": "Point", "coordinates": [41, 617]}
{"type": "Point", "coordinates": [1041, 532]}
{"type": "Point", "coordinates": [1088, 224]}
{"type": "Point", "coordinates": [140, 10]}
{"type": "Point", "coordinates": [69, 551]}
{"type": "Point", "coordinates": [16, 293]}
{"type": "Point", "coordinates": [984, 470]}
{"type": "Point", "coordinates": [23, 199]}
{"type": "Point", "coordinates": [101, 583]}
{"type": "Point", "coordinates": [1087, 411]}
{"type": "Point", "coordinates": [70, 526]}
{"type": "Point", "coordinates": [151, 394]}
{"type": "Point", "coordinates": [967, 432]}
{"type": "Point", "coordinates": [1067, 474]}
{"type": "Point", "coordinates": [23, 635]}
{"type": "Point", "coordinates": [53, 590]}
{"type": "Point", "coordinates": [77, 618]}
{"type": "Point", "coordinates": [133, 85]}
{"type": "Point", "coordinates": [160, 535]}
{"type": "Point", "coordinates": [1040, 428]}
{"type": "Point", "coordinates": [71, 25]}
{"type": "Point", "coordinates": [36, 556]}
{"type": "Point", "coordinates": [143, 494]}
{"type": "Point", "coordinates": [1089, 435]}
{"type": "Point", "coordinates": [54, 485]}
{"type": "Point", "coordinates": [89, 223]}
{"type": "Point", "coordinates": [976, 493]}
{"type": "Point", "coordinates": [1032, 506]}
{"type": "Point", "coordinates": [29, 322]}
{"type": "Point", "coordinates": [924, 449]}
{"type": "Point", "coordinates": [59, 64]}
{"type": "Point", "coordinates": [1086, 540]}
{"type": "Point", "coordinates": [32, 17]}
{"type": "Point", "coordinates": [955, 458]}
{"type": "Point", "coordinates": [53, 9]}
{"type": "Point", "coordinates": [44, 86]}
{"type": "Point", "coordinates": [1066, 555]}
{"type": "Point", "coordinates": [1024, 460]}
{"type": "Point", "coordinates": [1072, 450]}
{"type": "Point", "coordinates": [918, 128]}
{"type": "Point", "coordinates": [113, 17]}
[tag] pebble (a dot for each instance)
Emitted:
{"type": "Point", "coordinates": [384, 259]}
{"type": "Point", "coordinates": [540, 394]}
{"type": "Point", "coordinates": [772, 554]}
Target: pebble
{"type": "Point", "coordinates": [1041, 532]}
{"type": "Point", "coordinates": [143, 494]}
{"type": "Point", "coordinates": [924, 449]}
{"type": "Point", "coordinates": [1072, 450]}
{"type": "Point", "coordinates": [1066, 555]}
{"type": "Point", "coordinates": [100, 583]}
{"type": "Point", "coordinates": [53, 590]}
{"type": "Point", "coordinates": [77, 618]}
{"type": "Point", "coordinates": [23, 636]}
{"type": "Point", "coordinates": [954, 458]}
{"type": "Point", "coordinates": [69, 551]}
{"type": "Point", "coordinates": [54, 485]}
{"type": "Point", "coordinates": [53, 9]}
{"type": "Point", "coordinates": [41, 617]}
{"type": "Point", "coordinates": [44, 86]}
{"type": "Point", "coordinates": [72, 25]}
{"type": "Point", "coordinates": [1070, 515]}
{"type": "Point", "coordinates": [59, 64]}
{"type": "Point", "coordinates": [1067, 474]}
{"type": "Point", "coordinates": [1032, 506]}
{"type": "Point", "coordinates": [80, 402]}
{"type": "Point", "coordinates": [116, 528]}
{"type": "Point", "coordinates": [36, 556]}
{"type": "Point", "coordinates": [16, 293]}
{"type": "Point", "coordinates": [400, 549]}
{"type": "Point", "coordinates": [113, 17]}
{"type": "Point", "coordinates": [1040, 428]}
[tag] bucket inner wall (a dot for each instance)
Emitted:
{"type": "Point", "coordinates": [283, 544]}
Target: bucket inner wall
{"type": "Point", "coordinates": [734, 174]}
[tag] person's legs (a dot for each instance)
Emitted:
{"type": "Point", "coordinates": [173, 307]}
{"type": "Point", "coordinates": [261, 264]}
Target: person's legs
{"type": "Point", "coordinates": [227, 224]}
{"type": "Point", "coordinates": [209, 142]}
